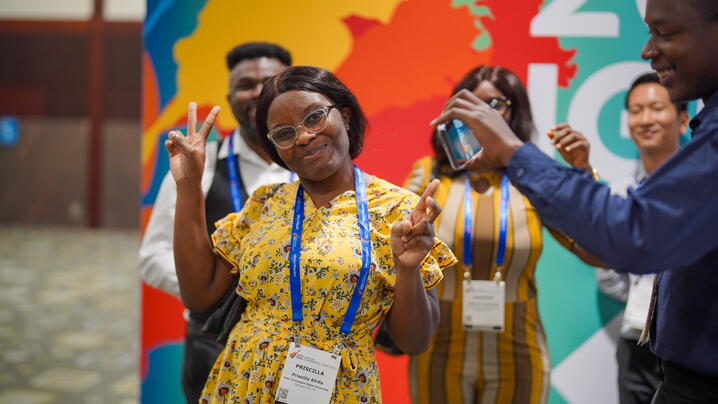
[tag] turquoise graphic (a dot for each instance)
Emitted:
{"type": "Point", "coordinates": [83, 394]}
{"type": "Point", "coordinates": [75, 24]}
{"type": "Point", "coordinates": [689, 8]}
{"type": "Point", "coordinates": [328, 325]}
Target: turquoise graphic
{"type": "Point", "coordinates": [163, 384]}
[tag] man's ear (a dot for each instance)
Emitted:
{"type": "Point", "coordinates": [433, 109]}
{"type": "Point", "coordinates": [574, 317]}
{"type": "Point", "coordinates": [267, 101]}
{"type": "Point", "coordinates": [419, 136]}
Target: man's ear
{"type": "Point", "coordinates": [684, 118]}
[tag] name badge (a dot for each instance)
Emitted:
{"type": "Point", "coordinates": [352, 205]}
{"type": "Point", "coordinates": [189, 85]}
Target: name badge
{"type": "Point", "coordinates": [484, 303]}
{"type": "Point", "coordinates": [639, 301]}
{"type": "Point", "coordinates": [309, 376]}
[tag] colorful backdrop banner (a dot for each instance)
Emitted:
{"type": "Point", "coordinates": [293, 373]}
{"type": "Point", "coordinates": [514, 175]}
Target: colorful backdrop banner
{"type": "Point", "coordinates": [402, 58]}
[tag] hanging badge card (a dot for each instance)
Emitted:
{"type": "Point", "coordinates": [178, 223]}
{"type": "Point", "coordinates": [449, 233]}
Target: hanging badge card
{"type": "Point", "coordinates": [639, 300]}
{"type": "Point", "coordinates": [309, 376]}
{"type": "Point", "coordinates": [484, 305]}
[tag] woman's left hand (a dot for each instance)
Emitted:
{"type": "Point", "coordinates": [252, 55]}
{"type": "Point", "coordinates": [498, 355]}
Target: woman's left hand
{"type": "Point", "coordinates": [413, 238]}
{"type": "Point", "coordinates": [571, 144]}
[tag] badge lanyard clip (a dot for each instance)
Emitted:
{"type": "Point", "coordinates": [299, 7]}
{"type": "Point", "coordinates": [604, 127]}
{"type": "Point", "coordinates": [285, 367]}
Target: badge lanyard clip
{"type": "Point", "coordinates": [483, 303]}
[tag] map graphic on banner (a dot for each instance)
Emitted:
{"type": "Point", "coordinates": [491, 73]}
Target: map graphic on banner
{"type": "Point", "coordinates": [402, 58]}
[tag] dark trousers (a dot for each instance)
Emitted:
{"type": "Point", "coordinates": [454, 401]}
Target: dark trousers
{"type": "Point", "coordinates": [639, 372]}
{"type": "Point", "coordinates": [684, 386]}
{"type": "Point", "coordinates": [200, 353]}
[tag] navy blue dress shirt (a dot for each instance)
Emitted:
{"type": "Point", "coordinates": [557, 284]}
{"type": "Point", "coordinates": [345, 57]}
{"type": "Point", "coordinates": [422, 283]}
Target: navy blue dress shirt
{"type": "Point", "coordinates": [669, 226]}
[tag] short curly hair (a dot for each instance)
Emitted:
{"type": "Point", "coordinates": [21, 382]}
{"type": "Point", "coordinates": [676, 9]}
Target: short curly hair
{"type": "Point", "coordinates": [315, 80]}
{"type": "Point", "coordinates": [255, 50]}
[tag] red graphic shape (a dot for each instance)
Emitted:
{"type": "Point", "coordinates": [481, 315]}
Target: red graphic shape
{"type": "Point", "coordinates": [515, 48]}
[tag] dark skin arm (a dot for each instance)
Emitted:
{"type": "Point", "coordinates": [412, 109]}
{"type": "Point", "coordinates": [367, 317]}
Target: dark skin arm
{"type": "Point", "coordinates": [414, 315]}
{"type": "Point", "coordinates": [203, 277]}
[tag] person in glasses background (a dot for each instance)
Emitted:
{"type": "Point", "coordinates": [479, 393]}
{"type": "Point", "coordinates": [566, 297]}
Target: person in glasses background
{"type": "Point", "coordinates": [474, 366]}
{"type": "Point", "coordinates": [315, 128]}
{"type": "Point", "coordinates": [249, 65]}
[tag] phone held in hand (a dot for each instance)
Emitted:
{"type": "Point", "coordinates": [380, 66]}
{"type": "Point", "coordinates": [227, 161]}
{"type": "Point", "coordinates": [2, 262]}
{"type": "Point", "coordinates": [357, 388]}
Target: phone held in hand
{"type": "Point", "coordinates": [459, 143]}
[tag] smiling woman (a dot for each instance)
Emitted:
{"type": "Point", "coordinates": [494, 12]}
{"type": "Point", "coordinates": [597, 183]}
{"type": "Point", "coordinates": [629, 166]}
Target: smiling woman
{"type": "Point", "coordinates": [321, 89]}
{"type": "Point", "coordinates": [318, 276]}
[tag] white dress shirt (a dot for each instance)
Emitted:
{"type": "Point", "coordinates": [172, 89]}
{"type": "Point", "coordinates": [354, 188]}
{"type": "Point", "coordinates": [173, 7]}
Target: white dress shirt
{"type": "Point", "coordinates": [157, 265]}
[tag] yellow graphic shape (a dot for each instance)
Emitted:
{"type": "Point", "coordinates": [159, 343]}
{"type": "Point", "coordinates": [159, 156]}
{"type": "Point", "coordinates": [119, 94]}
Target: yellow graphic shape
{"type": "Point", "coordinates": [312, 31]}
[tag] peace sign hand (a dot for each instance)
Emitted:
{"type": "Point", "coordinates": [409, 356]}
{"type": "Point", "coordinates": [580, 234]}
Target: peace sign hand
{"type": "Point", "coordinates": [413, 238]}
{"type": "Point", "coordinates": [187, 153]}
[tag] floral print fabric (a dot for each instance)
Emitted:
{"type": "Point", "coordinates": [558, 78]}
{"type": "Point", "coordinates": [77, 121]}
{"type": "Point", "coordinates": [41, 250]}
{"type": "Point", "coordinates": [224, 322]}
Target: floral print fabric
{"type": "Point", "coordinates": [256, 241]}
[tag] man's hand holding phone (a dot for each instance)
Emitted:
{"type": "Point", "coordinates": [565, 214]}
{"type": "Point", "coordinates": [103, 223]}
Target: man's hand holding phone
{"type": "Point", "coordinates": [489, 127]}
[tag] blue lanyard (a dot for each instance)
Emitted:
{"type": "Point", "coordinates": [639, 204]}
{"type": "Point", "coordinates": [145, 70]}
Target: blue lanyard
{"type": "Point", "coordinates": [503, 220]}
{"type": "Point", "coordinates": [295, 253]}
{"type": "Point", "coordinates": [468, 222]}
{"type": "Point", "coordinates": [468, 258]}
{"type": "Point", "coordinates": [235, 185]}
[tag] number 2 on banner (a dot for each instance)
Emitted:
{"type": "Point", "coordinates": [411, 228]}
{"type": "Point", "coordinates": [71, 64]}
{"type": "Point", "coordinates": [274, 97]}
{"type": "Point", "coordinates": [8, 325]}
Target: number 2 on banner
{"type": "Point", "coordinates": [561, 18]}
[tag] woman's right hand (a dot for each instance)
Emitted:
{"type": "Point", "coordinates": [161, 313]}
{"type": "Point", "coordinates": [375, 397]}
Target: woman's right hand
{"type": "Point", "coordinates": [187, 153]}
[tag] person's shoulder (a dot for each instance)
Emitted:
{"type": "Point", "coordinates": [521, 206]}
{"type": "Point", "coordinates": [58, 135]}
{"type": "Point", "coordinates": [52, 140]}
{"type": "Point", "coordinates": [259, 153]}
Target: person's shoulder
{"type": "Point", "coordinates": [269, 191]}
{"type": "Point", "coordinates": [385, 197]}
{"type": "Point", "coordinates": [423, 166]}
{"type": "Point", "coordinates": [424, 161]}
{"type": "Point", "coordinates": [384, 187]}
{"type": "Point", "coordinates": [420, 173]}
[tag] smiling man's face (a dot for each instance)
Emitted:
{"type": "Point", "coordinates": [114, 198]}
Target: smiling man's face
{"type": "Point", "coordinates": [683, 47]}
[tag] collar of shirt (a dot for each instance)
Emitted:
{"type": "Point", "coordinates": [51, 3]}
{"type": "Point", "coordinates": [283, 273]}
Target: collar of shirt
{"type": "Point", "coordinates": [707, 110]}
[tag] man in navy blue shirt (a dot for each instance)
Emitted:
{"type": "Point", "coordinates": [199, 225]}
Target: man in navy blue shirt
{"type": "Point", "coordinates": [669, 225]}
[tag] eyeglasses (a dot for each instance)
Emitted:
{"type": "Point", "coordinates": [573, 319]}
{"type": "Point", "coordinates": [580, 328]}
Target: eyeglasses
{"type": "Point", "coordinates": [499, 103]}
{"type": "Point", "coordinates": [284, 136]}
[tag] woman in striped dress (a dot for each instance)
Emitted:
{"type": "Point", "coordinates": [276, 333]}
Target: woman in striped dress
{"type": "Point", "coordinates": [511, 366]}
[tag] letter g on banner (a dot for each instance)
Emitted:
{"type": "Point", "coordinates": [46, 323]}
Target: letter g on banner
{"type": "Point", "coordinates": [585, 110]}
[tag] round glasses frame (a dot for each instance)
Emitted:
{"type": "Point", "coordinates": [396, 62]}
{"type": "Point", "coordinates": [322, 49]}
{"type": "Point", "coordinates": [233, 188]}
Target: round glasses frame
{"type": "Point", "coordinates": [285, 141]}
{"type": "Point", "coordinates": [499, 103]}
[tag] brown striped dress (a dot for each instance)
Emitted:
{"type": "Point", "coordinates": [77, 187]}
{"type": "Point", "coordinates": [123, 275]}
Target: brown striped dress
{"type": "Point", "coordinates": [483, 367]}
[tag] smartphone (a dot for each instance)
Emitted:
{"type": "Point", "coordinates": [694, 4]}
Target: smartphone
{"type": "Point", "coordinates": [459, 143]}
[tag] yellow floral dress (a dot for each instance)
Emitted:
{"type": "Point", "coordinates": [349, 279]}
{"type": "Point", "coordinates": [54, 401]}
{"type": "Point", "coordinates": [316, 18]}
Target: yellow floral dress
{"type": "Point", "coordinates": [256, 242]}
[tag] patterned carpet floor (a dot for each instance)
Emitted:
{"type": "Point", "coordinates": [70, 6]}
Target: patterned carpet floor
{"type": "Point", "coordinates": [69, 316]}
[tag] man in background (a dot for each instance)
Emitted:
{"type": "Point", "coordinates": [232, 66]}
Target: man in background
{"type": "Point", "coordinates": [656, 125]}
{"type": "Point", "coordinates": [234, 169]}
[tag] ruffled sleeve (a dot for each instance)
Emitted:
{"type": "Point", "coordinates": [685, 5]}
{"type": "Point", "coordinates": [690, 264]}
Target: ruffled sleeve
{"type": "Point", "coordinates": [231, 230]}
{"type": "Point", "coordinates": [440, 255]}
{"type": "Point", "coordinates": [438, 258]}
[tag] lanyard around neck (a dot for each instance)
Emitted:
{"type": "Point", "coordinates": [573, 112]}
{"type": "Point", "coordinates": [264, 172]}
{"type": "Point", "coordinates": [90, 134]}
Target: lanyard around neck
{"type": "Point", "coordinates": [468, 256]}
{"type": "Point", "coordinates": [295, 285]}
{"type": "Point", "coordinates": [235, 185]}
